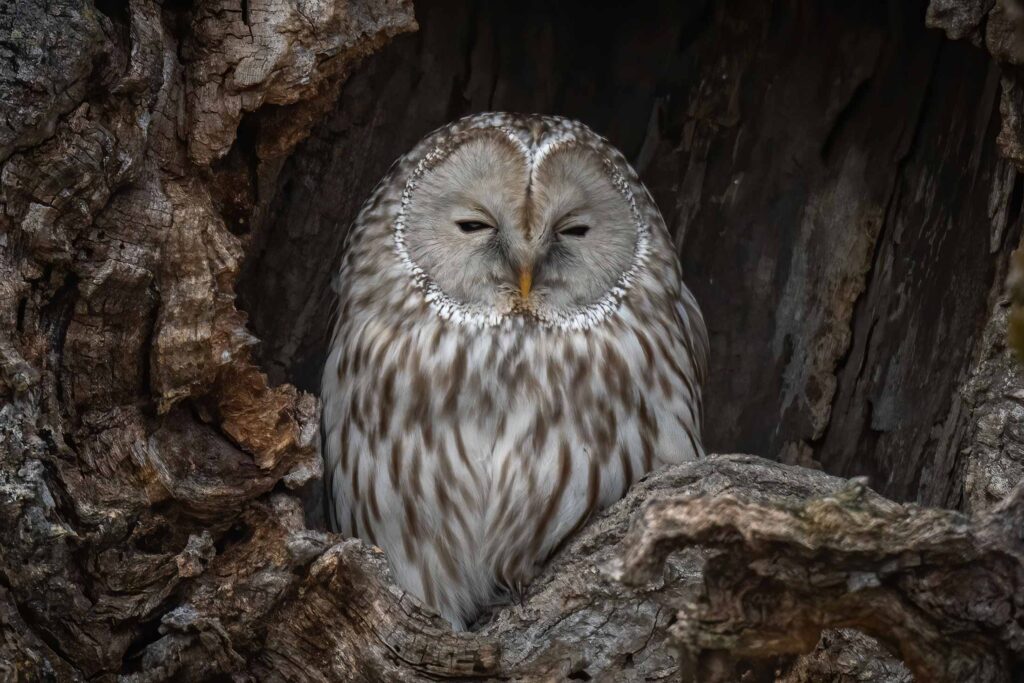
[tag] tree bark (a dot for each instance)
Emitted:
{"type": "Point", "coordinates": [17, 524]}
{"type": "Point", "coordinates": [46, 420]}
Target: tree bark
{"type": "Point", "coordinates": [833, 180]}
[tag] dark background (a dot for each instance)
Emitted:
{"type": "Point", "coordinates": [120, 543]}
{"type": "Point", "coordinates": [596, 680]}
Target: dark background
{"type": "Point", "coordinates": [826, 169]}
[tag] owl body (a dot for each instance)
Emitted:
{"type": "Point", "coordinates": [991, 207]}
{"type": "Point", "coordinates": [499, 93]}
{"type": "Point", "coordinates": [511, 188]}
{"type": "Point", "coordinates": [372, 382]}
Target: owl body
{"type": "Point", "coordinates": [500, 372]}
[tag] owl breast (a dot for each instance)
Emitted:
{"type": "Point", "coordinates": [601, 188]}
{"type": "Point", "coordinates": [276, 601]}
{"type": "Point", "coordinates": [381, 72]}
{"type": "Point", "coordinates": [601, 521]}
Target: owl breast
{"type": "Point", "coordinates": [469, 457]}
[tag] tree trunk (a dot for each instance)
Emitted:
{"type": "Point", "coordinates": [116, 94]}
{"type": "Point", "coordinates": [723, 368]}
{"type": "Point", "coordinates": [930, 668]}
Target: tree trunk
{"type": "Point", "coordinates": [842, 182]}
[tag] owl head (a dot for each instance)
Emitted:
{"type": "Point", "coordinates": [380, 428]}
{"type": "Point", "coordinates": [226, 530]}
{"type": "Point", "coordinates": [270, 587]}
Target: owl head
{"type": "Point", "coordinates": [506, 216]}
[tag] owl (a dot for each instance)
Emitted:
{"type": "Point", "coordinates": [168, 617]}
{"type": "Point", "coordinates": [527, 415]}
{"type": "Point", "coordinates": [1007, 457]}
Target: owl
{"type": "Point", "coordinates": [514, 347]}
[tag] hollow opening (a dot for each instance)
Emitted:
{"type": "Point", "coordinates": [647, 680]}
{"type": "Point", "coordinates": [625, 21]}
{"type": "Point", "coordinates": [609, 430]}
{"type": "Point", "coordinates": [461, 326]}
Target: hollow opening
{"type": "Point", "coordinates": [825, 169]}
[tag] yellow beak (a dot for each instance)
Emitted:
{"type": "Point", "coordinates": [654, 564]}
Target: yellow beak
{"type": "Point", "coordinates": [525, 281]}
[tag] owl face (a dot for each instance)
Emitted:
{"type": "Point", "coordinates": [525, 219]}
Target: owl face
{"type": "Point", "coordinates": [521, 220]}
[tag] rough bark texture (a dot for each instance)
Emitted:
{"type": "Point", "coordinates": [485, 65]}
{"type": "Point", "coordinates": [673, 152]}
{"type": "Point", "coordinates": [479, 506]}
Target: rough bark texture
{"type": "Point", "coordinates": [832, 177]}
{"type": "Point", "coordinates": [981, 439]}
{"type": "Point", "coordinates": [135, 431]}
{"type": "Point", "coordinates": [942, 590]}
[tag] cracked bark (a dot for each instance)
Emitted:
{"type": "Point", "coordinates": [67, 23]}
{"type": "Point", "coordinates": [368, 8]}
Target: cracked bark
{"type": "Point", "coordinates": [154, 158]}
{"type": "Point", "coordinates": [941, 589]}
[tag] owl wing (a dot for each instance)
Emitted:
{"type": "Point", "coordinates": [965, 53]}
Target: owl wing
{"type": "Point", "coordinates": [695, 333]}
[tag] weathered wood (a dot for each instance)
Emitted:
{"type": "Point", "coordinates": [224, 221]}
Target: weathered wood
{"type": "Point", "coordinates": [134, 428]}
{"type": "Point", "coordinates": [943, 590]}
{"type": "Point", "coordinates": [301, 608]}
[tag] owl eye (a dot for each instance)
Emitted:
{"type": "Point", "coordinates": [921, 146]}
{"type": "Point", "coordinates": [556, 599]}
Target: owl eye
{"type": "Point", "coordinates": [473, 226]}
{"type": "Point", "coordinates": [576, 230]}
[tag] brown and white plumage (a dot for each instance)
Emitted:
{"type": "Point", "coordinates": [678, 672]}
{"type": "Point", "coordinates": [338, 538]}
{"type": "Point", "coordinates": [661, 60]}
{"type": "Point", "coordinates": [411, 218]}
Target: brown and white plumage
{"type": "Point", "coordinates": [514, 348]}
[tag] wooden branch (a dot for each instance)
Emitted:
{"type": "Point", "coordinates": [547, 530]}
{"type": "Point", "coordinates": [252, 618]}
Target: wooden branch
{"type": "Point", "coordinates": [943, 590]}
{"type": "Point", "coordinates": [285, 603]}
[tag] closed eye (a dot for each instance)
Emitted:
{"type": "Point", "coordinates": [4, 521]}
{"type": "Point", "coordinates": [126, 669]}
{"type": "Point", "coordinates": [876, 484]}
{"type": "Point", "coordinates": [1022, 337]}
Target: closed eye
{"type": "Point", "coordinates": [575, 230]}
{"type": "Point", "coordinates": [473, 226]}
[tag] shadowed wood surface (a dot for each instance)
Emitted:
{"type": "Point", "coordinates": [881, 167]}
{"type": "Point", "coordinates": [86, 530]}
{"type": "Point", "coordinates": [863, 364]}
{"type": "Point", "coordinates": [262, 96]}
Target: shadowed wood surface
{"type": "Point", "coordinates": [940, 589]}
{"type": "Point", "coordinates": [831, 175]}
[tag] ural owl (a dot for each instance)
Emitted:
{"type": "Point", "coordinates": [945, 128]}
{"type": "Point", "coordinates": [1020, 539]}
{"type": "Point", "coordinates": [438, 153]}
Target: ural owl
{"type": "Point", "coordinates": [514, 348]}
